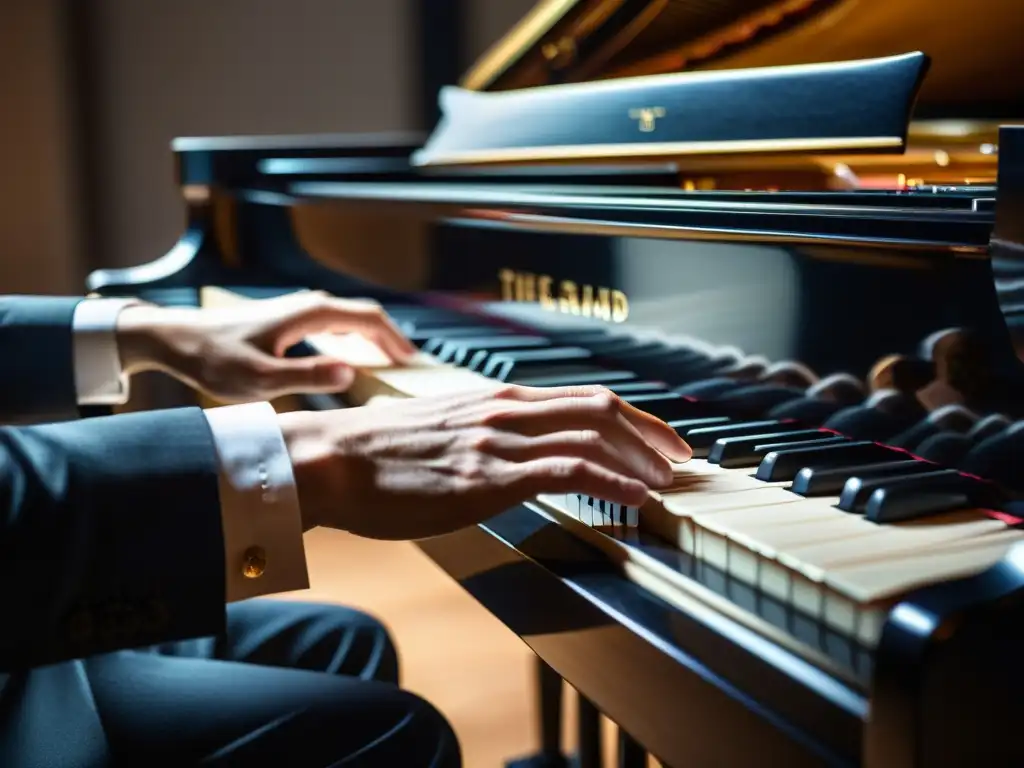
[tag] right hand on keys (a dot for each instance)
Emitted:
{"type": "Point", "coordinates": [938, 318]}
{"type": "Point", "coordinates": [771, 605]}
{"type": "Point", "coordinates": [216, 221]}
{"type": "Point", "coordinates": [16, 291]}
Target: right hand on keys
{"type": "Point", "coordinates": [422, 467]}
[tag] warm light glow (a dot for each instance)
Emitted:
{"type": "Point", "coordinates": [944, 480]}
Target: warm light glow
{"type": "Point", "coordinates": [941, 158]}
{"type": "Point", "coordinates": [988, 149]}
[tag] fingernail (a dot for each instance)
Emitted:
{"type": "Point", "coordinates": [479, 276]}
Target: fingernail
{"type": "Point", "coordinates": [682, 453]}
{"type": "Point", "coordinates": [342, 375]}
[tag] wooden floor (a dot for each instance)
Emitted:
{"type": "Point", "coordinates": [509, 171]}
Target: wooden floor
{"type": "Point", "coordinates": [453, 652]}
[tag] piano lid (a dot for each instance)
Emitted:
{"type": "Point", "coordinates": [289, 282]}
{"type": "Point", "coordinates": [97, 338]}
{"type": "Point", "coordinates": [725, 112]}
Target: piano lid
{"type": "Point", "coordinates": [974, 45]}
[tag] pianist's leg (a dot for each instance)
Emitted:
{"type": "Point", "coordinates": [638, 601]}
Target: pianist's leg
{"type": "Point", "coordinates": [289, 684]}
{"type": "Point", "coordinates": [298, 635]}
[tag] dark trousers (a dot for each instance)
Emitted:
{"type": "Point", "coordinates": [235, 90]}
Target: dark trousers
{"type": "Point", "coordinates": [295, 685]}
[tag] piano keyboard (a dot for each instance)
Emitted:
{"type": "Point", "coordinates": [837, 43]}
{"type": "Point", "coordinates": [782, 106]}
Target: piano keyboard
{"type": "Point", "coordinates": [832, 523]}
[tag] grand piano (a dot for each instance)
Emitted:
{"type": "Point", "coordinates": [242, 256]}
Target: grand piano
{"type": "Point", "coordinates": [794, 229]}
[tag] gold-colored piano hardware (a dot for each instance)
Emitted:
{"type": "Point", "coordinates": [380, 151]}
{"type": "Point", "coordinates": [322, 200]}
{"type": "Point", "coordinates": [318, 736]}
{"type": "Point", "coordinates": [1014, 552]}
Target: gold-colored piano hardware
{"type": "Point", "coordinates": [565, 296]}
{"type": "Point", "coordinates": [647, 117]}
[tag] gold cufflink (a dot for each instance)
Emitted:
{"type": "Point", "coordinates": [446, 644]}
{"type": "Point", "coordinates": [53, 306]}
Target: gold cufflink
{"type": "Point", "coordinates": [254, 562]}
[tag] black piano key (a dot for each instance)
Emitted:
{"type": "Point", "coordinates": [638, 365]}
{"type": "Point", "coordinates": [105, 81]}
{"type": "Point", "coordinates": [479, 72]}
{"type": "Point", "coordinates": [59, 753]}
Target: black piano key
{"type": "Point", "coordinates": [708, 389]}
{"type": "Point", "coordinates": [461, 351]}
{"type": "Point", "coordinates": [667, 406]}
{"type": "Point", "coordinates": [830, 481]}
{"type": "Point", "coordinates": [839, 388]}
{"type": "Point", "coordinates": [658, 363]}
{"type": "Point", "coordinates": [702, 438]}
{"type": "Point", "coordinates": [611, 345]}
{"type": "Point", "coordinates": [504, 366]}
{"type": "Point", "coordinates": [866, 423]}
{"type": "Point", "coordinates": [780, 466]}
{"type": "Point", "coordinates": [946, 448]}
{"type": "Point", "coordinates": [757, 398]}
{"type": "Point", "coordinates": [916, 497]}
{"type": "Point", "coordinates": [809, 410]}
{"type": "Point", "coordinates": [639, 350]}
{"type": "Point", "coordinates": [858, 490]}
{"type": "Point", "coordinates": [555, 369]}
{"type": "Point", "coordinates": [445, 326]}
{"type": "Point", "coordinates": [420, 337]}
{"type": "Point", "coordinates": [686, 373]}
{"type": "Point", "coordinates": [988, 427]}
{"type": "Point", "coordinates": [637, 388]}
{"type": "Point", "coordinates": [949, 419]}
{"type": "Point", "coordinates": [682, 426]}
{"type": "Point", "coordinates": [597, 377]}
{"type": "Point", "coordinates": [747, 451]}
{"type": "Point", "coordinates": [999, 458]}
{"type": "Point", "coordinates": [578, 337]}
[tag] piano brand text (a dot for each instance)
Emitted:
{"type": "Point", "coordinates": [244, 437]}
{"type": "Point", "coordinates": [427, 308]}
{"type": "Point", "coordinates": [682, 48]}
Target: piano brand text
{"type": "Point", "coordinates": [564, 296]}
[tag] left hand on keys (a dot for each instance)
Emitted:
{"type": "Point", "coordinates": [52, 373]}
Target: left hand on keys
{"type": "Point", "coordinates": [235, 354]}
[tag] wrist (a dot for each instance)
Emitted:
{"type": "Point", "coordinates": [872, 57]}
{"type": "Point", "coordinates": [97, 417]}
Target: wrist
{"type": "Point", "coordinates": [146, 334]}
{"type": "Point", "coordinates": [307, 450]}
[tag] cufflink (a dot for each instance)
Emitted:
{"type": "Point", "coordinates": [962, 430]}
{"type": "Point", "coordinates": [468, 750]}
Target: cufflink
{"type": "Point", "coordinates": [254, 562]}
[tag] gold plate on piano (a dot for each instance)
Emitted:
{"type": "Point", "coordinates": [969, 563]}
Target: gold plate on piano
{"type": "Point", "coordinates": [611, 39]}
{"type": "Point", "coordinates": [581, 41]}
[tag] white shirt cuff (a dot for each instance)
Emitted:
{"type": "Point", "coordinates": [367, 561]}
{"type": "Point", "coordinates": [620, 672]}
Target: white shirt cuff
{"type": "Point", "coordinates": [263, 547]}
{"type": "Point", "coordinates": [99, 378]}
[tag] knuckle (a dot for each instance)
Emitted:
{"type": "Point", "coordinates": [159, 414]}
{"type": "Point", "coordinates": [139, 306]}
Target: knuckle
{"type": "Point", "coordinates": [367, 308]}
{"type": "Point", "coordinates": [570, 469]}
{"type": "Point", "coordinates": [316, 299]}
{"type": "Point", "coordinates": [472, 467]}
{"type": "Point", "coordinates": [605, 403]}
{"type": "Point", "coordinates": [494, 418]}
{"type": "Point", "coordinates": [508, 392]}
{"type": "Point", "coordinates": [590, 438]}
{"type": "Point", "coordinates": [483, 440]}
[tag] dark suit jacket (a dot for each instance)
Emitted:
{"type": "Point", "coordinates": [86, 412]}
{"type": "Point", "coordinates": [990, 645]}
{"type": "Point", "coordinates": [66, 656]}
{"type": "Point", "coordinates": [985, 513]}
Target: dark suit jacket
{"type": "Point", "coordinates": [110, 531]}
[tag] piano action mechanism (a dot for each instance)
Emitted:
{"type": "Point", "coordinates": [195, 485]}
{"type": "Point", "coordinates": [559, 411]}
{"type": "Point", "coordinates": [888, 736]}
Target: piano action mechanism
{"type": "Point", "coordinates": [776, 226]}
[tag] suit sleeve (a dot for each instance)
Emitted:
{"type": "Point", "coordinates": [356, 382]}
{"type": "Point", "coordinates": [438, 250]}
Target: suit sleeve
{"type": "Point", "coordinates": [37, 347]}
{"type": "Point", "coordinates": [110, 536]}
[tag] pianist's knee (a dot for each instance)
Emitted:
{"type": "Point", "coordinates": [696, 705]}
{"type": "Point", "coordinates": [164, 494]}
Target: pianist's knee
{"type": "Point", "coordinates": [314, 636]}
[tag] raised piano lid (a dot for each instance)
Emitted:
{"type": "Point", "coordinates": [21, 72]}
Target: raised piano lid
{"type": "Point", "coordinates": [848, 107]}
{"type": "Point", "coordinates": [974, 46]}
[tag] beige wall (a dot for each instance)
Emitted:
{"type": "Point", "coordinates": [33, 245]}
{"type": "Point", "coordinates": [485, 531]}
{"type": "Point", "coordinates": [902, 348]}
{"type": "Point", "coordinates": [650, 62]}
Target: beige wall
{"type": "Point", "coordinates": [170, 68]}
{"type": "Point", "coordinates": [166, 68]}
{"type": "Point", "coordinates": [38, 224]}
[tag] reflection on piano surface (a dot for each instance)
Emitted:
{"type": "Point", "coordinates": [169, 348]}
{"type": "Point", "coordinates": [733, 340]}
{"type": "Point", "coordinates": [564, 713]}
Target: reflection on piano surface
{"type": "Point", "coordinates": [838, 574]}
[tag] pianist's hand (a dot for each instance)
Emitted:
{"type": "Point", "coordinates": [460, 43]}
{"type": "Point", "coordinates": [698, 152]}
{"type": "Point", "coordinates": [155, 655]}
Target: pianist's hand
{"type": "Point", "coordinates": [236, 353]}
{"type": "Point", "coordinates": [427, 466]}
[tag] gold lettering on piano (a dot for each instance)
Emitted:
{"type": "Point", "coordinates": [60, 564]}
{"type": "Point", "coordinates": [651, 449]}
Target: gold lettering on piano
{"type": "Point", "coordinates": [547, 300]}
{"type": "Point", "coordinates": [565, 296]}
{"type": "Point", "coordinates": [646, 117]}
